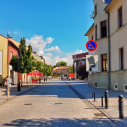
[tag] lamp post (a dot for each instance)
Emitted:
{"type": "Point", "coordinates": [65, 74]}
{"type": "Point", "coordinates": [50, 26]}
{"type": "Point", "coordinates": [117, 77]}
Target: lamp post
{"type": "Point", "coordinates": [18, 86]}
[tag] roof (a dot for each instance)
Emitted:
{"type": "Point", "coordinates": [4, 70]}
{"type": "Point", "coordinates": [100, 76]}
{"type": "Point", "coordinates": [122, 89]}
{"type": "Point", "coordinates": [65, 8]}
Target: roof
{"type": "Point", "coordinates": [89, 30]}
{"type": "Point", "coordinates": [3, 36]}
{"type": "Point", "coordinates": [11, 43]}
{"type": "Point", "coordinates": [109, 4]}
{"type": "Point", "coordinates": [80, 55]}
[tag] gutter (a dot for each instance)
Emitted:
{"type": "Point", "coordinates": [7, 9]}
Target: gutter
{"type": "Point", "coordinates": [109, 51]}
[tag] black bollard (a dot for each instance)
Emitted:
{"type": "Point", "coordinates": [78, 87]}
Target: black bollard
{"type": "Point", "coordinates": [106, 99]}
{"type": "Point", "coordinates": [18, 88]}
{"type": "Point", "coordinates": [121, 115]}
{"type": "Point", "coordinates": [102, 101]}
{"type": "Point", "coordinates": [94, 96]}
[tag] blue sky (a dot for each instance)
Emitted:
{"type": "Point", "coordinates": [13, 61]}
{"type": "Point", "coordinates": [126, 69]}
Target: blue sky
{"type": "Point", "coordinates": [55, 28]}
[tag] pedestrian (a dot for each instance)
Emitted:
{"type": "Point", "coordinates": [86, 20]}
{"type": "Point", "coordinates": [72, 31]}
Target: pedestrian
{"type": "Point", "coordinates": [8, 83]}
{"type": "Point", "coordinates": [44, 78]}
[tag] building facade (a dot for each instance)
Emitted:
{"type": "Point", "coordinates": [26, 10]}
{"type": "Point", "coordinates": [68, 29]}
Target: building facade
{"type": "Point", "coordinates": [12, 50]}
{"type": "Point", "coordinates": [79, 62]}
{"type": "Point", "coordinates": [3, 58]}
{"type": "Point", "coordinates": [109, 31]}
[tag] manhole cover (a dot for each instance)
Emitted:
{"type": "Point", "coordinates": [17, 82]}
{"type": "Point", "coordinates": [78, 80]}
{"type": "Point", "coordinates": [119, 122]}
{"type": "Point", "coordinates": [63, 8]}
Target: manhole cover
{"type": "Point", "coordinates": [58, 103]}
{"type": "Point", "coordinates": [98, 114]}
{"type": "Point", "coordinates": [28, 104]}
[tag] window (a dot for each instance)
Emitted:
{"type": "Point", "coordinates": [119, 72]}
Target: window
{"type": "Point", "coordinates": [120, 17]}
{"type": "Point", "coordinates": [96, 32]}
{"type": "Point", "coordinates": [104, 62]}
{"type": "Point", "coordinates": [11, 55]}
{"type": "Point", "coordinates": [103, 29]}
{"type": "Point", "coordinates": [92, 38]}
{"type": "Point", "coordinates": [95, 10]}
{"type": "Point", "coordinates": [1, 63]}
{"type": "Point", "coordinates": [121, 58]}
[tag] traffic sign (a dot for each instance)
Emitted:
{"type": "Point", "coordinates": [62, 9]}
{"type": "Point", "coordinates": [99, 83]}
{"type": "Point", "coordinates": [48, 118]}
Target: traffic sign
{"type": "Point", "coordinates": [91, 45]}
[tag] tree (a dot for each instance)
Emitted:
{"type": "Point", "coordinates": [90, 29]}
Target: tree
{"type": "Point", "coordinates": [60, 64]}
{"type": "Point", "coordinates": [70, 69]}
{"type": "Point", "coordinates": [25, 59]}
{"type": "Point", "coordinates": [93, 15]}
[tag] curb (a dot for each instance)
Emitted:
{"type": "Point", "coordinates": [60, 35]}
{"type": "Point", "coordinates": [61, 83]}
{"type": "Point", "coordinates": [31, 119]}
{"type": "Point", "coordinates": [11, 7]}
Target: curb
{"type": "Point", "coordinates": [83, 97]}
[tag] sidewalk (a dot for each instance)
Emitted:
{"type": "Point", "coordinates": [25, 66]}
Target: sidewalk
{"type": "Point", "coordinates": [113, 113]}
{"type": "Point", "coordinates": [14, 92]}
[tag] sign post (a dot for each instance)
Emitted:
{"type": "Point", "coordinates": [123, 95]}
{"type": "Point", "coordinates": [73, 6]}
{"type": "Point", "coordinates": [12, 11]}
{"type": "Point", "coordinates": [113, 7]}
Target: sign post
{"type": "Point", "coordinates": [91, 59]}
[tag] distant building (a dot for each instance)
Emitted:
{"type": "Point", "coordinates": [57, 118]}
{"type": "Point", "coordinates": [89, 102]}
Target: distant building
{"type": "Point", "coordinates": [79, 60]}
{"type": "Point", "coordinates": [61, 70]}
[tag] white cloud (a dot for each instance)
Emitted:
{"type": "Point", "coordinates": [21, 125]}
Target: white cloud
{"type": "Point", "coordinates": [67, 58]}
{"type": "Point", "coordinates": [38, 43]}
{"type": "Point", "coordinates": [15, 32]}
{"type": "Point", "coordinates": [56, 48]}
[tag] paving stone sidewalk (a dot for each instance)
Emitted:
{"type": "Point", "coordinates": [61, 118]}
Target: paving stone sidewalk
{"type": "Point", "coordinates": [14, 92]}
{"type": "Point", "coordinates": [113, 113]}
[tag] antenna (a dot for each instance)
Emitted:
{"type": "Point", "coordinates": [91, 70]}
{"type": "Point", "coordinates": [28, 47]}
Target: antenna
{"type": "Point", "coordinates": [8, 33]}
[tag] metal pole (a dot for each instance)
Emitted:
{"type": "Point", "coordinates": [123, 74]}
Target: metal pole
{"type": "Point", "coordinates": [102, 101]}
{"type": "Point", "coordinates": [92, 84]}
{"type": "Point", "coordinates": [106, 99]}
{"type": "Point", "coordinates": [121, 115]}
{"type": "Point", "coordinates": [94, 96]}
{"type": "Point", "coordinates": [18, 87]}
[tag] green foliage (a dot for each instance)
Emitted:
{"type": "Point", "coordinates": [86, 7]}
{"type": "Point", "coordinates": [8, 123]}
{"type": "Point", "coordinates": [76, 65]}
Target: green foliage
{"type": "Point", "coordinates": [70, 69]}
{"type": "Point", "coordinates": [28, 60]}
{"type": "Point", "coordinates": [14, 63]}
{"type": "Point", "coordinates": [92, 15]}
{"type": "Point", "coordinates": [25, 59]}
{"type": "Point", "coordinates": [60, 64]}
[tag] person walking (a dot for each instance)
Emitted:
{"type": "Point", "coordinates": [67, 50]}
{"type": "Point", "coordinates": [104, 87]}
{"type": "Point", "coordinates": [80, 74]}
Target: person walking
{"type": "Point", "coordinates": [8, 86]}
{"type": "Point", "coordinates": [44, 78]}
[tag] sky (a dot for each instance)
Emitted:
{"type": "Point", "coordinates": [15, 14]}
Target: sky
{"type": "Point", "coordinates": [54, 28]}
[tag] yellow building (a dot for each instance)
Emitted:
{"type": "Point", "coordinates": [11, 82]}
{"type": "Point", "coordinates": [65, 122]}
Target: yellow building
{"type": "Point", "coordinates": [3, 58]}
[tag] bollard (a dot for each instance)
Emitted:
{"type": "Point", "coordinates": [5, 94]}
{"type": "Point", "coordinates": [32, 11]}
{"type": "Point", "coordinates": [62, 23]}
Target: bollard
{"type": "Point", "coordinates": [106, 99]}
{"type": "Point", "coordinates": [94, 96]}
{"type": "Point", "coordinates": [121, 115]}
{"type": "Point", "coordinates": [102, 101]}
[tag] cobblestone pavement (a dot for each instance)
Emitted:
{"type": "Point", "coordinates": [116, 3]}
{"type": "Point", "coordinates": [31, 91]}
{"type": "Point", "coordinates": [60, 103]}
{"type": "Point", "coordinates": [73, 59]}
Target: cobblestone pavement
{"type": "Point", "coordinates": [53, 104]}
{"type": "Point", "coordinates": [113, 113]}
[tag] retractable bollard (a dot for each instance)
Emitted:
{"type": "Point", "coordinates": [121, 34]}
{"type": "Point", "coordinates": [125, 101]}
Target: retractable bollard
{"type": "Point", "coordinates": [102, 101]}
{"type": "Point", "coordinates": [94, 96]}
{"type": "Point", "coordinates": [106, 99]}
{"type": "Point", "coordinates": [121, 115]}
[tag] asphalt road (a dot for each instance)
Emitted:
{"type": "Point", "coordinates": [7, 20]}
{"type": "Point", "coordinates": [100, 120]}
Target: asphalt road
{"type": "Point", "coordinates": [52, 104]}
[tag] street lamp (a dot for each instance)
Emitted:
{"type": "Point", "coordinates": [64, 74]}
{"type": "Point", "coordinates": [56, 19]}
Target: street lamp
{"type": "Point", "coordinates": [18, 87]}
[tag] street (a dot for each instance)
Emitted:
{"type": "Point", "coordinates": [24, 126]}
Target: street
{"type": "Point", "coordinates": [52, 104]}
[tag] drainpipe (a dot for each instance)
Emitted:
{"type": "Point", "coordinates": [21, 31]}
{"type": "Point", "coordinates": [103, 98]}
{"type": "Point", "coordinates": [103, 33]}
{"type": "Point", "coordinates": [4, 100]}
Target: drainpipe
{"type": "Point", "coordinates": [109, 51]}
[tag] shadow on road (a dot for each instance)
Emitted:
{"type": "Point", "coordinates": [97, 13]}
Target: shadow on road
{"type": "Point", "coordinates": [58, 122]}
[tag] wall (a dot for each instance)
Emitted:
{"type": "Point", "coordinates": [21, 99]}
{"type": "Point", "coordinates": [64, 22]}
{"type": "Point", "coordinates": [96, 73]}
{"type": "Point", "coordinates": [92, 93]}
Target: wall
{"type": "Point", "coordinates": [4, 48]}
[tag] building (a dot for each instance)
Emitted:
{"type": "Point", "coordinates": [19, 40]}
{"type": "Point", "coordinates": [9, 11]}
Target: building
{"type": "Point", "coordinates": [109, 31]}
{"type": "Point", "coordinates": [12, 50]}
{"type": "Point", "coordinates": [3, 58]}
{"type": "Point", "coordinates": [62, 70]}
{"type": "Point", "coordinates": [79, 60]}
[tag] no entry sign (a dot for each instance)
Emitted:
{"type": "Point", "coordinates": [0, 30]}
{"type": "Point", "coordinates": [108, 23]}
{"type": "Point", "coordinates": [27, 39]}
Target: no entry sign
{"type": "Point", "coordinates": [91, 45]}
